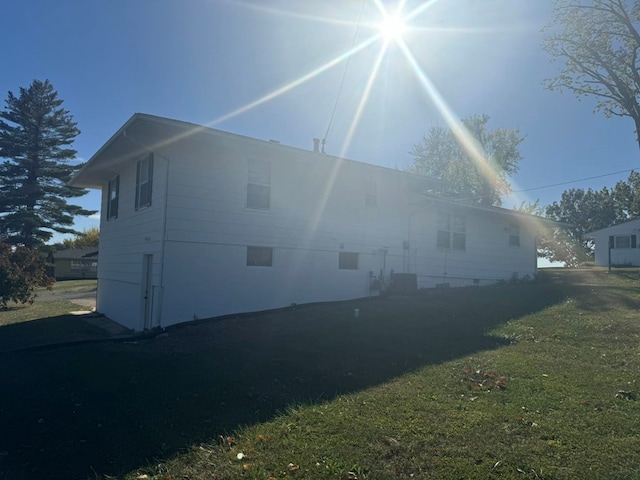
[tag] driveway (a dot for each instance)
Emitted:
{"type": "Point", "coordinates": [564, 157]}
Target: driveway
{"type": "Point", "coordinates": [85, 299]}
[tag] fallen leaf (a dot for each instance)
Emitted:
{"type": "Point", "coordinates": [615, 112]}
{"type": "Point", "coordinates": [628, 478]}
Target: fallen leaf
{"type": "Point", "coordinates": [392, 442]}
{"type": "Point", "coordinates": [293, 467]}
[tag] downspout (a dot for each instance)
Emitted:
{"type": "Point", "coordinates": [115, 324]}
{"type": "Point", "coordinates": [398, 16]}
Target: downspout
{"type": "Point", "coordinates": [163, 228]}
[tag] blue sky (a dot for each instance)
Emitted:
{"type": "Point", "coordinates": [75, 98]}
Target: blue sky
{"type": "Point", "coordinates": [201, 60]}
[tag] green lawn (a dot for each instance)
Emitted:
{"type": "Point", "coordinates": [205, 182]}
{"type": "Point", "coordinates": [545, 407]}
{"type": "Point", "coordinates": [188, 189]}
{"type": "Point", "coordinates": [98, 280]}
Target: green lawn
{"type": "Point", "coordinates": [530, 381]}
{"type": "Point", "coordinates": [70, 286]}
{"type": "Point", "coordinates": [48, 303]}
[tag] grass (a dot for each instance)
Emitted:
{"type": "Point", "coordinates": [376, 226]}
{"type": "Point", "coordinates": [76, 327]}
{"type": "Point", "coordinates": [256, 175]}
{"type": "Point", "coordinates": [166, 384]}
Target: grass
{"type": "Point", "coordinates": [531, 381]}
{"type": "Point", "coordinates": [70, 286]}
{"type": "Point", "coordinates": [48, 303]}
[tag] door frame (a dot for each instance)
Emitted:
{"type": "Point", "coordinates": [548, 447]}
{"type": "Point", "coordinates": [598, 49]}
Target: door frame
{"type": "Point", "coordinates": [146, 292]}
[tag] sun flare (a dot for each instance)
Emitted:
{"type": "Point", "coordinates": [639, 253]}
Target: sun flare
{"type": "Point", "coordinates": [392, 27]}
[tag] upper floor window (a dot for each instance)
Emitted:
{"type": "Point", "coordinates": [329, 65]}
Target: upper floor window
{"type": "Point", "coordinates": [451, 232]}
{"type": "Point", "coordinates": [371, 195]}
{"type": "Point", "coordinates": [113, 193]}
{"type": "Point", "coordinates": [514, 236]}
{"type": "Point", "coordinates": [259, 185]}
{"type": "Point", "coordinates": [144, 181]}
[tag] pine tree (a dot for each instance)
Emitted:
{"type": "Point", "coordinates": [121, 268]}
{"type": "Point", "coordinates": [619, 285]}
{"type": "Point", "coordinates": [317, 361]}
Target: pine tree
{"type": "Point", "coordinates": [36, 135]}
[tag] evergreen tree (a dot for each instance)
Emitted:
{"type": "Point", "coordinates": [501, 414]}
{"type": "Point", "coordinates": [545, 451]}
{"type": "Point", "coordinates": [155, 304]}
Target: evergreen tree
{"type": "Point", "coordinates": [36, 135]}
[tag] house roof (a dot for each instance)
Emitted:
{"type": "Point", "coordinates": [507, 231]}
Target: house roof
{"type": "Point", "coordinates": [123, 147]}
{"type": "Point", "coordinates": [76, 253]}
{"type": "Point", "coordinates": [617, 226]}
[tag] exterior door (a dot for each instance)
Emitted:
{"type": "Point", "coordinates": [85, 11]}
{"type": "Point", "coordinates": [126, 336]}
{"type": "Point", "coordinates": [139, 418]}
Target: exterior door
{"type": "Point", "coordinates": [147, 292]}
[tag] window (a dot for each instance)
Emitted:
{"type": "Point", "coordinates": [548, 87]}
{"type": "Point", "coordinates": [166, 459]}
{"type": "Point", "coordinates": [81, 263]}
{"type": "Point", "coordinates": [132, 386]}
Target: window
{"type": "Point", "coordinates": [144, 182]}
{"type": "Point", "coordinates": [348, 261]}
{"type": "Point", "coordinates": [259, 185]}
{"type": "Point", "coordinates": [84, 265]}
{"type": "Point", "coordinates": [451, 232]}
{"type": "Point", "coordinates": [514, 236]}
{"type": "Point", "coordinates": [371, 195]}
{"type": "Point", "coordinates": [622, 241]}
{"type": "Point", "coordinates": [259, 256]}
{"type": "Point", "coordinates": [113, 192]}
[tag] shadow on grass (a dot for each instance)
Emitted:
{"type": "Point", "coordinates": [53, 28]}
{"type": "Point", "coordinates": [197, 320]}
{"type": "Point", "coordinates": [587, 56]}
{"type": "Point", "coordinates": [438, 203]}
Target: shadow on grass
{"type": "Point", "coordinates": [46, 331]}
{"type": "Point", "coordinates": [110, 408]}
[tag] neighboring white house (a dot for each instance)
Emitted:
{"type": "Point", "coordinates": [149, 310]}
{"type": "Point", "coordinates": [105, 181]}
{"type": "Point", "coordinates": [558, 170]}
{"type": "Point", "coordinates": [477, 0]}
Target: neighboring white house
{"type": "Point", "coordinates": [620, 241]}
{"type": "Point", "coordinates": [199, 223]}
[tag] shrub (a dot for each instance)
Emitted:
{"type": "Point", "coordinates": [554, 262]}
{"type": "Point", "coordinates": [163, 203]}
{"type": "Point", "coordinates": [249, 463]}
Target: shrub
{"type": "Point", "coordinates": [21, 271]}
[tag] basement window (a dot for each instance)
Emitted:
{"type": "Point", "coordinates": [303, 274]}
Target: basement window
{"type": "Point", "coordinates": [259, 256]}
{"type": "Point", "coordinates": [348, 261]}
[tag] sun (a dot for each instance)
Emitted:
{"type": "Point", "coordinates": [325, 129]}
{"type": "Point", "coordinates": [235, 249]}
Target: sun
{"type": "Point", "coordinates": [392, 27]}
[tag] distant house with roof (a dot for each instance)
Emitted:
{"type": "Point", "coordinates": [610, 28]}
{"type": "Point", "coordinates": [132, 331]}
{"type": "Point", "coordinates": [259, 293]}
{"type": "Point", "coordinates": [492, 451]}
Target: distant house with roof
{"type": "Point", "coordinates": [75, 263]}
{"type": "Point", "coordinates": [617, 245]}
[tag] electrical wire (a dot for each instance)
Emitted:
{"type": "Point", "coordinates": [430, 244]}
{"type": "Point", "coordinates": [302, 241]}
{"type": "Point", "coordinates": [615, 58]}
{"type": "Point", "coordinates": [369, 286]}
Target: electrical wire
{"type": "Point", "coordinates": [555, 184]}
{"type": "Point", "coordinates": [575, 181]}
{"type": "Point", "coordinates": [344, 75]}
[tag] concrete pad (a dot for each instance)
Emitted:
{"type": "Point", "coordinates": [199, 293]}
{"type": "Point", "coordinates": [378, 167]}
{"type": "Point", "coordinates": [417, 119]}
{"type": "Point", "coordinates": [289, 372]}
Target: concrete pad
{"type": "Point", "coordinates": [109, 326]}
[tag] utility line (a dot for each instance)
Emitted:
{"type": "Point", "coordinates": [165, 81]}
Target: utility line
{"type": "Point", "coordinates": [344, 75]}
{"type": "Point", "coordinates": [555, 184]}
{"type": "Point", "coordinates": [574, 181]}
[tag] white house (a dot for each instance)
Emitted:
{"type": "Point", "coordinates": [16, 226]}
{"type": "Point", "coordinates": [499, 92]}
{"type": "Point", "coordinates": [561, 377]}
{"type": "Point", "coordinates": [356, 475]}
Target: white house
{"type": "Point", "coordinates": [198, 223]}
{"type": "Point", "coordinates": [617, 245]}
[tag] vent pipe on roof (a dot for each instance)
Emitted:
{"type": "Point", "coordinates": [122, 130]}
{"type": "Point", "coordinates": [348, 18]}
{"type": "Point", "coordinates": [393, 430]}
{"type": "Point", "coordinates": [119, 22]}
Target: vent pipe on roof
{"type": "Point", "coordinates": [316, 145]}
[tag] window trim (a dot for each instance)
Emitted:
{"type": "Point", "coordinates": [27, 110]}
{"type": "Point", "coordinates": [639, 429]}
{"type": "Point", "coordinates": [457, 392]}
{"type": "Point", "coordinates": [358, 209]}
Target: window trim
{"type": "Point", "coordinates": [255, 256]}
{"type": "Point", "coordinates": [142, 203]}
{"type": "Point", "coordinates": [112, 203]}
